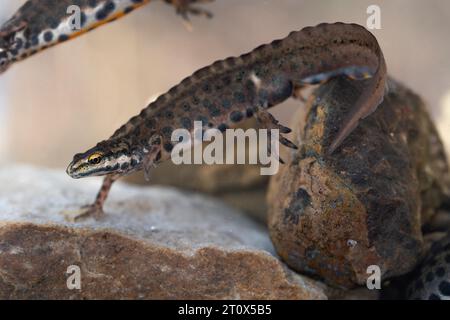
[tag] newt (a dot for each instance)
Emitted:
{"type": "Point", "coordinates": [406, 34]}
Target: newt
{"type": "Point", "coordinates": [431, 280]}
{"type": "Point", "coordinates": [228, 91]}
{"type": "Point", "coordinates": [41, 24]}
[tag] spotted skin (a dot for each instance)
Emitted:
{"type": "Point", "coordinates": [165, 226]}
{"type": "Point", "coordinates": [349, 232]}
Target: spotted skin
{"type": "Point", "coordinates": [40, 24]}
{"type": "Point", "coordinates": [231, 90]}
{"type": "Point", "coordinates": [433, 278]}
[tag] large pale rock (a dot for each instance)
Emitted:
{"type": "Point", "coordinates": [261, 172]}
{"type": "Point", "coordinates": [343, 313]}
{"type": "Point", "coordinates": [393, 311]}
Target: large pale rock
{"type": "Point", "coordinates": [154, 243]}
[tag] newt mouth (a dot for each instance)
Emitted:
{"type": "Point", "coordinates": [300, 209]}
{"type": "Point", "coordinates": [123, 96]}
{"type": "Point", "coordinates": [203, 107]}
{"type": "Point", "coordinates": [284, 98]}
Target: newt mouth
{"type": "Point", "coordinates": [71, 172]}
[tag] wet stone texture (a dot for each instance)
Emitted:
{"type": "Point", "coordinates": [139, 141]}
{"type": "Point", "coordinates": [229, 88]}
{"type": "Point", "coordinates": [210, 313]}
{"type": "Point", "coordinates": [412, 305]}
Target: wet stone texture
{"type": "Point", "coordinates": [154, 243]}
{"type": "Point", "coordinates": [334, 215]}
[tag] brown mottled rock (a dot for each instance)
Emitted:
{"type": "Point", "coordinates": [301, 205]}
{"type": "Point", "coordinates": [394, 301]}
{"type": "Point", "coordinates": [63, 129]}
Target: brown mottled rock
{"type": "Point", "coordinates": [333, 216]}
{"type": "Point", "coordinates": [154, 243]}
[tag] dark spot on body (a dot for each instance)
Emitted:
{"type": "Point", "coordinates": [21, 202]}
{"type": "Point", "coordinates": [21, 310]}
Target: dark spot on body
{"type": "Point", "coordinates": [226, 103]}
{"type": "Point", "coordinates": [19, 44]}
{"type": "Point", "coordinates": [124, 166]}
{"type": "Point", "coordinates": [34, 40]}
{"type": "Point", "coordinates": [236, 116]}
{"type": "Point", "coordinates": [429, 277]}
{"type": "Point", "coordinates": [168, 146]}
{"type": "Point", "coordinates": [222, 127]}
{"type": "Point", "coordinates": [83, 19]}
{"type": "Point", "coordinates": [203, 119]}
{"type": "Point", "coordinates": [150, 123]}
{"type": "Point", "coordinates": [63, 37]}
{"type": "Point", "coordinates": [240, 75]}
{"type": "Point", "coordinates": [186, 123]}
{"type": "Point", "coordinates": [186, 107]}
{"type": "Point", "coordinates": [103, 13]}
{"type": "Point", "coordinates": [167, 131]}
{"type": "Point", "coordinates": [226, 80]}
{"type": "Point", "coordinates": [206, 88]}
{"type": "Point", "coordinates": [168, 114]}
{"type": "Point", "coordinates": [48, 36]}
{"type": "Point", "coordinates": [92, 3]}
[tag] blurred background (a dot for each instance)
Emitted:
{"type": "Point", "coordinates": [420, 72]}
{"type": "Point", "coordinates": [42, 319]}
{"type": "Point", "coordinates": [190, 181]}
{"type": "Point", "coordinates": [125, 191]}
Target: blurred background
{"type": "Point", "coordinates": [68, 98]}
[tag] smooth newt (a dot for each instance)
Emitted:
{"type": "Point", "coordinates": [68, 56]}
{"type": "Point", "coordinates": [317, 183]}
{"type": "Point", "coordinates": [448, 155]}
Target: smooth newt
{"type": "Point", "coordinates": [40, 24]}
{"type": "Point", "coordinates": [228, 91]}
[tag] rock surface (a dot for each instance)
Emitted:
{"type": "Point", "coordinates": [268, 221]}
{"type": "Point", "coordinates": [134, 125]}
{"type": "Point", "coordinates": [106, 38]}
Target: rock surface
{"type": "Point", "coordinates": [334, 216]}
{"type": "Point", "coordinates": [154, 243]}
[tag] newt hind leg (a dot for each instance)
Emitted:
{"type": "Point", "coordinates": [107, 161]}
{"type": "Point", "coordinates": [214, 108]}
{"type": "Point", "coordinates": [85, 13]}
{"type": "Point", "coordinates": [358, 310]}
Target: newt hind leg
{"type": "Point", "coordinates": [93, 210]}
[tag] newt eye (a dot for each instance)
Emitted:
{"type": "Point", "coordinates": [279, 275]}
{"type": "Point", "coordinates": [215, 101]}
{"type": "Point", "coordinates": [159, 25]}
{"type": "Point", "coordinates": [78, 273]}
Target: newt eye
{"type": "Point", "coordinates": [95, 158]}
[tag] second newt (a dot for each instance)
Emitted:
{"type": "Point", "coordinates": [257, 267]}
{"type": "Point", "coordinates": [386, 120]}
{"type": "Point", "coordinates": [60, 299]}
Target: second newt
{"type": "Point", "coordinates": [228, 91]}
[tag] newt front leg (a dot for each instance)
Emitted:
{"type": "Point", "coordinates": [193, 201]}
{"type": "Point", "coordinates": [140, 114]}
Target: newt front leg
{"type": "Point", "coordinates": [95, 209]}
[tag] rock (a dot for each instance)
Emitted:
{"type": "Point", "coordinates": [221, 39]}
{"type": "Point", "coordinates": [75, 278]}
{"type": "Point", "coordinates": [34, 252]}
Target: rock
{"type": "Point", "coordinates": [333, 216]}
{"type": "Point", "coordinates": [154, 243]}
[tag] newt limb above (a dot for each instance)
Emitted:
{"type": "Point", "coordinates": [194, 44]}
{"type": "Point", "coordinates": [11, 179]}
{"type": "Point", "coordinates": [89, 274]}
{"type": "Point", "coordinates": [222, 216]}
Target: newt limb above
{"type": "Point", "coordinates": [228, 91]}
{"type": "Point", "coordinates": [40, 24]}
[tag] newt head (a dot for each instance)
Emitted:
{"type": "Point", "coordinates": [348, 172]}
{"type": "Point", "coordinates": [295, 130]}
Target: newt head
{"type": "Point", "coordinates": [107, 157]}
